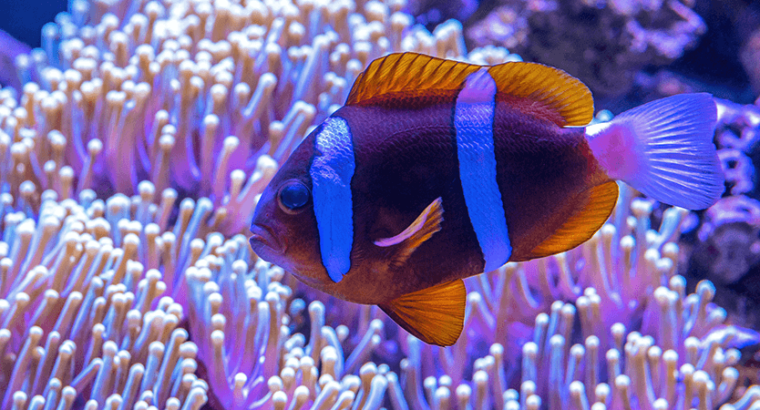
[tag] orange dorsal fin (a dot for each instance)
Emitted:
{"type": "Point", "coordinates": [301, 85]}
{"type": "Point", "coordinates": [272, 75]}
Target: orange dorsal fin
{"type": "Point", "coordinates": [583, 224]}
{"type": "Point", "coordinates": [396, 75]}
{"type": "Point", "coordinates": [545, 92]}
{"type": "Point", "coordinates": [423, 227]}
{"type": "Point", "coordinates": [532, 88]}
{"type": "Point", "coordinates": [434, 315]}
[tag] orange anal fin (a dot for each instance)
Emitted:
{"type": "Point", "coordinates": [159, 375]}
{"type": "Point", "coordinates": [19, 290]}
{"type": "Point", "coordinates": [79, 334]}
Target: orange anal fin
{"type": "Point", "coordinates": [434, 315]}
{"type": "Point", "coordinates": [583, 224]}
{"type": "Point", "coordinates": [426, 224]}
{"type": "Point", "coordinates": [544, 91]}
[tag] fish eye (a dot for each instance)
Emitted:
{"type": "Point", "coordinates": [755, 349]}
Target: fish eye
{"type": "Point", "coordinates": [293, 196]}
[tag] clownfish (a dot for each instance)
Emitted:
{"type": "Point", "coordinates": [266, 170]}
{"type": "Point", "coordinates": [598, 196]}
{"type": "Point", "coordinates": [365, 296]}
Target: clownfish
{"type": "Point", "coordinates": [436, 170]}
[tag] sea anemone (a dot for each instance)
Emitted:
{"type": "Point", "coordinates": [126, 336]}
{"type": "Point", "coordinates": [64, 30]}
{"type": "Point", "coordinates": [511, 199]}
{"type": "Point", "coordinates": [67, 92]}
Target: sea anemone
{"type": "Point", "coordinates": [608, 324]}
{"type": "Point", "coordinates": [131, 161]}
{"type": "Point", "coordinates": [83, 317]}
{"type": "Point", "coordinates": [202, 97]}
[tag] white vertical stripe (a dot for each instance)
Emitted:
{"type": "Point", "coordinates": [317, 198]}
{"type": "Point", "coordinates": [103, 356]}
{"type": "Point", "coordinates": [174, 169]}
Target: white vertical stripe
{"type": "Point", "coordinates": [473, 123]}
{"type": "Point", "coordinates": [331, 171]}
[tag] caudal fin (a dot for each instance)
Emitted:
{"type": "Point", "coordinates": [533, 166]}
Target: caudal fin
{"type": "Point", "coordinates": [664, 149]}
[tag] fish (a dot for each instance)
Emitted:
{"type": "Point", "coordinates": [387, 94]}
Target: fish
{"type": "Point", "coordinates": [436, 170]}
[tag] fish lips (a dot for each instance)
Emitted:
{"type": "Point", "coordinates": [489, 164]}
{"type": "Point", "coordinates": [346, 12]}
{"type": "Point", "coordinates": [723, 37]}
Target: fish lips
{"type": "Point", "coordinates": [264, 241]}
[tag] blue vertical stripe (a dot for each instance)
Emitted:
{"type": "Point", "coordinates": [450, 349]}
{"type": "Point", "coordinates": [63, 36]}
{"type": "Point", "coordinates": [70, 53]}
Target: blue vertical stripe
{"type": "Point", "coordinates": [331, 171]}
{"type": "Point", "coordinates": [473, 123]}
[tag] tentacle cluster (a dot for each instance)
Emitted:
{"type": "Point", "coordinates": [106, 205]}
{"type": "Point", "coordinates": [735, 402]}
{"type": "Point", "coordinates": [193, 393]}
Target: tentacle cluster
{"type": "Point", "coordinates": [131, 161]}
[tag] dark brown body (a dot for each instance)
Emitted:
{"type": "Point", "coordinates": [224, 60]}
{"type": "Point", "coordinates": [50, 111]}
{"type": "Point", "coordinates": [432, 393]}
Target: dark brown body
{"type": "Point", "coordinates": [406, 158]}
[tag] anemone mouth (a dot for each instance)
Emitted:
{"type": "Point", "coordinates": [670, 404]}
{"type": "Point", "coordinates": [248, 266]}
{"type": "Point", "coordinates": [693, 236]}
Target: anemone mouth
{"type": "Point", "coordinates": [264, 241]}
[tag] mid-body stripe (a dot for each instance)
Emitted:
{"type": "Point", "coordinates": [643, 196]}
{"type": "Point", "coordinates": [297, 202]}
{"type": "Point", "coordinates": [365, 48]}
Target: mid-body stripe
{"type": "Point", "coordinates": [331, 171]}
{"type": "Point", "coordinates": [473, 125]}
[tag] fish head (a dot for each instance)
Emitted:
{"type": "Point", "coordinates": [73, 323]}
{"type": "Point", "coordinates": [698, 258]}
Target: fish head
{"type": "Point", "coordinates": [284, 228]}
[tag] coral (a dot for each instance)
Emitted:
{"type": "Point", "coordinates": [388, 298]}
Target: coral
{"type": "Point", "coordinates": [738, 125]}
{"type": "Point", "coordinates": [727, 252]}
{"type": "Point", "coordinates": [603, 43]}
{"type": "Point", "coordinates": [729, 243]}
{"type": "Point", "coordinates": [737, 134]}
{"type": "Point", "coordinates": [729, 233]}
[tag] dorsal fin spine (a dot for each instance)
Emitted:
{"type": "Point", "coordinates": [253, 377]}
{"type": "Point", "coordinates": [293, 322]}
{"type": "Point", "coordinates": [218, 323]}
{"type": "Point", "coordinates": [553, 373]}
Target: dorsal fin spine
{"type": "Point", "coordinates": [539, 90]}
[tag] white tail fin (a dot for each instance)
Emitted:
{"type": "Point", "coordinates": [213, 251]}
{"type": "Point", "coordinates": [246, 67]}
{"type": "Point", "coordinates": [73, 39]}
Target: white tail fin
{"type": "Point", "coordinates": [664, 149]}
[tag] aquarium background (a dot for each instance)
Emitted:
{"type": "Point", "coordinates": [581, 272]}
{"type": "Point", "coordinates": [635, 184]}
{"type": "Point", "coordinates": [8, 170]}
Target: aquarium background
{"type": "Point", "coordinates": [136, 135]}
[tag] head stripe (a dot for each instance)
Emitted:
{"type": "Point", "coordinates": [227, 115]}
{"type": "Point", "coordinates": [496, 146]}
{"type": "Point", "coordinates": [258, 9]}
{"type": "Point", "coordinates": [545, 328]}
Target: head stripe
{"type": "Point", "coordinates": [473, 124]}
{"type": "Point", "coordinates": [331, 171]}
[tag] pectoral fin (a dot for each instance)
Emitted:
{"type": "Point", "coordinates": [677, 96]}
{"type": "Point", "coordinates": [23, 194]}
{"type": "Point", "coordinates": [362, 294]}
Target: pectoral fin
{"type": "Point", "coordinates": [426, 224]}
{"type": "Point", "coordinates": [434, 315]}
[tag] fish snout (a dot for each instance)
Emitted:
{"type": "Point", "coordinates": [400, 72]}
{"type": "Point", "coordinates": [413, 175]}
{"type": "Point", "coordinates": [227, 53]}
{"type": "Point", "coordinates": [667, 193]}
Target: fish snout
{"type": "Point", "coordinates": [264, 241]}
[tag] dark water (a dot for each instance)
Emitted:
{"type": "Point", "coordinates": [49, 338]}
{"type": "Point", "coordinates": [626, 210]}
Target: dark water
{"type": "Point", "coordinates": [24, 19]}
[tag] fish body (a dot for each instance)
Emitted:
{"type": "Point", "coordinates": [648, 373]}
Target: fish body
{"type": "Point", "coordinates": [436, 170]}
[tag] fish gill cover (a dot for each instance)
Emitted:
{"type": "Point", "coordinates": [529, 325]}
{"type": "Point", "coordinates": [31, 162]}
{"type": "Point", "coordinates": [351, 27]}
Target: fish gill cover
{"type": "Point", "coordinates": [131, 157]}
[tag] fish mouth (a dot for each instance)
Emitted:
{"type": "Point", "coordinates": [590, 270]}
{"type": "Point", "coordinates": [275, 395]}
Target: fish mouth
{"type": "Point", "coordinates": [264, 236]}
